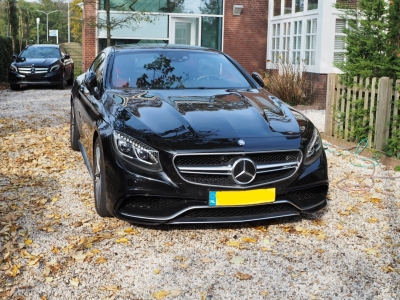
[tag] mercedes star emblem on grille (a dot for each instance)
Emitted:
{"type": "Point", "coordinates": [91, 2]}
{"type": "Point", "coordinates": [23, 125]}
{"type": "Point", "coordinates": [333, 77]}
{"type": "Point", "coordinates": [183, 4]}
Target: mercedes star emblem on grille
{"type": "Point", "coordinates": [33, 70]}
{"type": "Point", "coordinates": [243, 171]}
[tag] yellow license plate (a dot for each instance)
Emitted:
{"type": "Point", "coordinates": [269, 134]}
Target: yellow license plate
{"type": "Point", "coordinates": [234, 198]}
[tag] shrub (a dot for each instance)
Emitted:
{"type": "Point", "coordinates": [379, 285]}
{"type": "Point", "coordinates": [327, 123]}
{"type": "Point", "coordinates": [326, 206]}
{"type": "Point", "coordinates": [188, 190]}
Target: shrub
{"type": "Point", "coordinates": [290, 82]}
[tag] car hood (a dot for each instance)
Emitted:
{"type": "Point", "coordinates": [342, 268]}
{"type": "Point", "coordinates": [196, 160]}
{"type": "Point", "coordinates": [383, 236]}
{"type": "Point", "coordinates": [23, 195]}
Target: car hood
{"type": "Point", "coordinates": [205, 116]}
{"type": "Point", "coordinates": [37, 62]}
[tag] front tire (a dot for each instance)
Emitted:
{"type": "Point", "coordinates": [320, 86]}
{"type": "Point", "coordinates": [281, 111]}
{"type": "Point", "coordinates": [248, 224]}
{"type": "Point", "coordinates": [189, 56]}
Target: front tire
{"type": "Point", "coordinates": [71, 79]}
{"type": "Point", "coordinates": [63, 83]}
{"type": "Point", "coordinates": [14, 87]}
{"type": "Point", "coordinates": [99, 180]}
{"type": "Point", "coordinates": [73, 130]}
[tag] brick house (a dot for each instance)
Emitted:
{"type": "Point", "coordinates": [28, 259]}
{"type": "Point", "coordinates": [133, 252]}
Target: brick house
{"type": "Point", "coordinates": [251, 31]}
{"type": "Point", "coordinates": [211, 23]}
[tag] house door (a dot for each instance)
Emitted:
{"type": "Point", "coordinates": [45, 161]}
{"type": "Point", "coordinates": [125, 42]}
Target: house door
{"type": "Point", "coordinates": [184, 31]}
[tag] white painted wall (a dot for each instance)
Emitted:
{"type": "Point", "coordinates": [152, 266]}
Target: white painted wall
{"type": "Point", "coordinates": [326, 16]}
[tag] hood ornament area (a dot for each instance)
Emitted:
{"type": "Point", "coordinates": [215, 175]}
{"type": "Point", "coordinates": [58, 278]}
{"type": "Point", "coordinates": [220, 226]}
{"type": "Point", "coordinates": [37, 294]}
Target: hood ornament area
{"type": "Point", "coordinates": [241, 142]}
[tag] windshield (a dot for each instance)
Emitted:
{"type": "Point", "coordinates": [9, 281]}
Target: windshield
{"type": "Point", "coordinates": [175, 69]}
{"type": "Point", "coordinates": [40, 52]}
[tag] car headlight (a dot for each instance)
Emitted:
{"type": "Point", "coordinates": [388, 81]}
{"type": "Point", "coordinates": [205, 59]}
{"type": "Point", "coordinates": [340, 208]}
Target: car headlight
{"type": "Point", "coordinates": [314, 147]}
{"type": "Point", "coordinates": [137, 152]}
{"type": "Point", "coordinates": [14, 68]}
{"type": "Point", "coordinates": [54, 68]}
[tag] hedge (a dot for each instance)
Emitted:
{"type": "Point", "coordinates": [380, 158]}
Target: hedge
{"type": "Point", "coordinates": [6, 54]}
{"type": "Point", "coordinates": [5, 57]}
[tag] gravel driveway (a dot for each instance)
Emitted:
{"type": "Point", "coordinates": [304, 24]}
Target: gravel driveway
{"type": "Point", "coordinates": [54, 246]}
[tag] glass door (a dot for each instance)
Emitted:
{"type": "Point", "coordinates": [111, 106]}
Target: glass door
{"type": "Point", "coordinates": [184, 31]}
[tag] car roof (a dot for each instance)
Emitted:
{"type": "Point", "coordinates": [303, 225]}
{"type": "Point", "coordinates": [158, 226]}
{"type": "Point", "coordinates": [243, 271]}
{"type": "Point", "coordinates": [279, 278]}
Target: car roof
{"type": "Point", "coordinates": [127, 47]}
{"type": "Point", "coordinates": [43, 45]}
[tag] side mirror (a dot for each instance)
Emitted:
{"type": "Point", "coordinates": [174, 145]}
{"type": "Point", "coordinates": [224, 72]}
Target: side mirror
{"type": "Point", "coordinates": [257, 77]}
{"type": "Point", "coordinates": [91, 81]}
{"type": "Point", "coordinates": [14, 57]}
{"type": "Point", "coordinates": [20, 59]}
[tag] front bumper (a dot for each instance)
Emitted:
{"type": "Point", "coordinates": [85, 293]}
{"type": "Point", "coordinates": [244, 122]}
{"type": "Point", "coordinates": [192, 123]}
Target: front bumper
{"type": "Point", "coordinates": [145, 197]}
{"type": "Point", "coordinates": [46, 79]}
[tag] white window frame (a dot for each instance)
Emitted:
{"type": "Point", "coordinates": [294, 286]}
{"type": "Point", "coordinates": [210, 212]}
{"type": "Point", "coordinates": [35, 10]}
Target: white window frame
{"type": "Point", "coordinates": [276, 42]}
{"type": "Point", "coordinates": [311, 37]}
{"type": "Point", "coordinates": [297, 42]}
{"type": "Point", "coordinates": [286, 41]}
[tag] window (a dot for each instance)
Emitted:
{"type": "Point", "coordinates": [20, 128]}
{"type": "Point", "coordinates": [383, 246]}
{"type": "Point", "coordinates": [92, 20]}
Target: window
{"type": "Point", "coordinates": [311, 42]}
{"type": "Point", "coordinates": [277, 7]}
{"type": "Point", "coordinates": [206, 7]}
{"type": "Point", "coordinates": [299, 5]}
{"type": "Point", "coordinates": [312, 4]}
{"type": "Point", "coordinates": [276, 33]}
{"type": "Point", "coordinates": [297, 32]}
{"type": "Point", "coordinates": [97, 68]}
{"type": "Point", "coordinates": [288, 6]}
{"type": "Point", "coordinates": [286, 42]}
{"type": "Point", "coordinates": [339, 40]}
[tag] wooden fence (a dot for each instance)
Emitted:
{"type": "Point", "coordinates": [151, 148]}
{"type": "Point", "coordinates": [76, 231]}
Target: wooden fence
{"type": "Point", "coordinates": [379, 99]}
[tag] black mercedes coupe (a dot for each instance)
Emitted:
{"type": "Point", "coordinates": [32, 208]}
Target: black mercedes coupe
{"type": "Point", "coordinates": [178, 134]}
{"type": "Point", "coordinates": [44, 65]}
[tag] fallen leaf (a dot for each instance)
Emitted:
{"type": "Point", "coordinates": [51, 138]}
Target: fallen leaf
{"type": "Point", "coordinates": [375, 200]}
{"type": "Point", "coordinates": [28, 242]}
{"type": "Point", "coordinates": [13, 271]}
{"type": "Point", "coordinates": [109, 288]}
{"type": "Point", "coordinates": [371, 251]}
{"type": "Point", "coordinates": [100, 260]}
{"type": "Point", "coordinates": [79, 257]}
{"type": "Point", "coordinates": [233, 243]}
{"type": "Point", "coordinates": [372, 220]}
{"type": "Point", "coordinates": [388, 269]}
{"type": "Point", "coordinates": [339, 226]}
{"type": "Point", "coordinates": [248, 240]}
{"type": "Point", "coordinates": [237, 260]}
{"type": "Point", "coordinates": [122, 240]}
{"type": "Point", "coordinates": [242, 276]}
{"type": "Point", "coordinates": [74, 282]}
{"type": "Point", "coordinates": [344, 213]}
{"type": "Point", "coordinates": [160, 294]}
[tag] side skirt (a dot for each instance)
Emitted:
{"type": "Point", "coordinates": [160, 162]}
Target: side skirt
{"type": "Point", "coordinates": [85, 158]}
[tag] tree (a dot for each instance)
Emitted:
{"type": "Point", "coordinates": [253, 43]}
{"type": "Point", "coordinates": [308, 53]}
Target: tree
{"type": "Point", "coordinates": [76, 20]}
{"type": "Point", "coordinates": [372, 41]}
{"type": "Point", "coordinates": [120, 20]}
{"type": "Point", "coordinates": [394, 36]}
{"type": "Point", "coordinates": [13, 23]}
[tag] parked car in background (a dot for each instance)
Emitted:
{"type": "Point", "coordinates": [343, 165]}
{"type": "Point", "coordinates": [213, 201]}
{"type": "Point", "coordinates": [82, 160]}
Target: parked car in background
{"type": "Point", "coordinates": [178, 134]}
{"type": "Point", "coordinates": [46, 65]}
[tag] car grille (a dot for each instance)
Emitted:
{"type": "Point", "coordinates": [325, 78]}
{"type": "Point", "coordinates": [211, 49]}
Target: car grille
{"type": "Point", "coordinates": [216, 169]}
{"type": "Point", "coordinates": [29, 70]}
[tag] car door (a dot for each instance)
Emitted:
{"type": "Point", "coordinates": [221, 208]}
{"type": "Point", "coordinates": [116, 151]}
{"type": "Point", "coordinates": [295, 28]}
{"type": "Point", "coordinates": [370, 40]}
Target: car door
{"type": "Point", "coordinates": [90, 105]}
{"type": "Point", "coordinates": [67, 62]}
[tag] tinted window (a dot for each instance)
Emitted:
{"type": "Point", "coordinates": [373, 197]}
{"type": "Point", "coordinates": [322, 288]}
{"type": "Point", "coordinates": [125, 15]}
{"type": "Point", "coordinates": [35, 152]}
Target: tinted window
{"type": "Point", "coordinates": [40, 52]}
{"type": "Point", "coordinates": [174, 69]}
{"type": "Point", "coordinates": [97, 68]}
